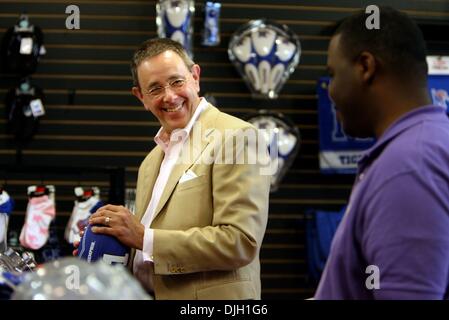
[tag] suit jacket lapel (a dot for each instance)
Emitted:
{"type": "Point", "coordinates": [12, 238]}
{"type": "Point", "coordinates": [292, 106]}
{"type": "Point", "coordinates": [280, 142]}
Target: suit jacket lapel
{"type": "Point", "coordinates": [179, 169]}
{"type": "Point", "coordinates": [150, 176]}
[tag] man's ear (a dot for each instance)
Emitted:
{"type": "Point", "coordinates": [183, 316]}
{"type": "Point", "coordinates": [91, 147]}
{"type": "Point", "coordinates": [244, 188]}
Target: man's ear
{"type": "Point", "coordinates": [137, 93]}
{"type": "Point", "coordinates": [196, 71]}
{"type": "Point", "coordinates": [368, 66]}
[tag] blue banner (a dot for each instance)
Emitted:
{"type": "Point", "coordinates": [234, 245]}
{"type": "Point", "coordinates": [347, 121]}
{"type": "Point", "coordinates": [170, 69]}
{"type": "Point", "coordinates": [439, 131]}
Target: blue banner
{"type": "Point", "coordinates": [439, 90]}
{"type": "Point", "coordinates": [339, 153]}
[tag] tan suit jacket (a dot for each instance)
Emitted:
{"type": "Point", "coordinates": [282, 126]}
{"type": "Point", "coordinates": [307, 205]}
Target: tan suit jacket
{"type": "Point", "coordinates": [208, 230]}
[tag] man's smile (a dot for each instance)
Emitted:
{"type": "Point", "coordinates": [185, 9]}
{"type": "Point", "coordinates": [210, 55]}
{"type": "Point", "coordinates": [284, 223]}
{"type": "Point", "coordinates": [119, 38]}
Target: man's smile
{"type": "Point", "coordinates": [173, 109]}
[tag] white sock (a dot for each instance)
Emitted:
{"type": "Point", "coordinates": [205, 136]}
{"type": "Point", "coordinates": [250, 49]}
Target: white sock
{"type": "Point", "coordinates": [81, 211]}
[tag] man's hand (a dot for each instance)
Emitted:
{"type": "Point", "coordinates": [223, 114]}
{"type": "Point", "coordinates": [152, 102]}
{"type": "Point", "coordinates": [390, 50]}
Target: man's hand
{"type": "Point", "coordinates": [76, 244]}
{"type": "Point", "coordinates": [119, 222]}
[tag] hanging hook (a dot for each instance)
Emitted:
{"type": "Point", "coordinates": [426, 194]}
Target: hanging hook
{"type": "Point", "coordinates": [42, 180]}
{"type": "Point", "coordinates": [5, 182]}
{"type": "Point", "coordinates": [80, 178]}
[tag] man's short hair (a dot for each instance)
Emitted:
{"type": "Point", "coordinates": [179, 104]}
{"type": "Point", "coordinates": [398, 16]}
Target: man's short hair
{"type": "Point", "coordinates": [398, 42]}
{"type": "Point", "coordinates": [154, 47]}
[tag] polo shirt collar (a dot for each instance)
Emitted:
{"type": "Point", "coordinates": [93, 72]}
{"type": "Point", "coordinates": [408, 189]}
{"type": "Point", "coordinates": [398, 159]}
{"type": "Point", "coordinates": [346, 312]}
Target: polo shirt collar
{"type": "Point", "coordinates": [406, 121]}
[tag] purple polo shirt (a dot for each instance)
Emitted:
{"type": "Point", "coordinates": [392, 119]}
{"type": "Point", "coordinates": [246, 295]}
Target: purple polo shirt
{"type": "Point", "coordinates": [396, 226]}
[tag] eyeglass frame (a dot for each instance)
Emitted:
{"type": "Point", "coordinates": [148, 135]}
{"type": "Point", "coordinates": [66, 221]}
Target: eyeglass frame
{"type": "Point", "coordinates": [171, 84]}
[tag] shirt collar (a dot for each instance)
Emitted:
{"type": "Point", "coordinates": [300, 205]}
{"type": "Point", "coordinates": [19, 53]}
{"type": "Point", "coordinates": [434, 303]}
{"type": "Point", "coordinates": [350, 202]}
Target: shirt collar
{"type": "Point", "coordinates": [406, 121]}
{"type": "Point", "coordinates": [184, 132]}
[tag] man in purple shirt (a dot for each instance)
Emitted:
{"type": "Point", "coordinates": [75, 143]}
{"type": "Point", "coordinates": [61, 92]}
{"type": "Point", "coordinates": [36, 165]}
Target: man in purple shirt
{"type": "Point", "coordinates": [393, 242]}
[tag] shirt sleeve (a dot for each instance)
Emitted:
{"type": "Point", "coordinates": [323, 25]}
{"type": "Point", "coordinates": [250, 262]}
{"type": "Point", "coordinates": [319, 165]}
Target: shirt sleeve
{"type": "Point", "coordinates": [147, 250]}
{"type": "Point", "coordinates": [406, 235]}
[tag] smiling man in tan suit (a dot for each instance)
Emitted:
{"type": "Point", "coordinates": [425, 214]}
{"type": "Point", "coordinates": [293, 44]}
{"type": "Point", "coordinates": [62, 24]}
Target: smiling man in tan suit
{"type": "Point", "coordinates": [201, 212]}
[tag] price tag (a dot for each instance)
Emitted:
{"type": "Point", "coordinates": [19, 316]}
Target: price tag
{"type": "Point", "coordinates": [37, 108]}
{"type": "Point", "coordinates": [26, 46]}
{"type": "Point", "coordinates": [438, 65]}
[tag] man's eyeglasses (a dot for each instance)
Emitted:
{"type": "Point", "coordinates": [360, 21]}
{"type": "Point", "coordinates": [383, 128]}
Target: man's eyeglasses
{"type": "Point", "coordinates": [174, 85]}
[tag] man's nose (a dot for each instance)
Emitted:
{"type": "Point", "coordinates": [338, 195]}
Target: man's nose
{"type": "Point", "coordinates": [169, 94]}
